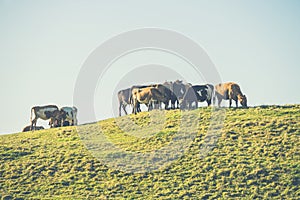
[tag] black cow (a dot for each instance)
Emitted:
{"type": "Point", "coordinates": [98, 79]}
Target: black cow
{"type": "Point", "coordinates": [168, 95]}
{"type": "Point", "coordinates": [197, 93]}
{"type": "Point", "coordinates": [28, 128]}
{"type": "Point", "coordinates": [178, 90]}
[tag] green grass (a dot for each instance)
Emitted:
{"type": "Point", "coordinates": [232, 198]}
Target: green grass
{"type": "Point", "coordinates": [256, 156]}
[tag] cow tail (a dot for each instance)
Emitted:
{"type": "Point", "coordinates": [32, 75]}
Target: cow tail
{"type": "Point", "coordinates": [31, 115]}
{"type": "Point", "coordinates": [212, 95]}
{"type": "Point", "coordinates": [130, 100]}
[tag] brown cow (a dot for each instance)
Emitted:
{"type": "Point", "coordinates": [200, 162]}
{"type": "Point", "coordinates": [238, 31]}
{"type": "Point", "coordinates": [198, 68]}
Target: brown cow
{"type": "Point", "coordinates": [124, 99]}
{"type": "Point", "coordinates": [146, 96]}
{"type": "Point", "coordinates": [230, 91]}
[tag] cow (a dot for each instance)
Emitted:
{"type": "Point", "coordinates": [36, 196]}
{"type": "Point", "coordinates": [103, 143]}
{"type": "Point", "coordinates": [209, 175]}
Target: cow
{"type": "Point", "coordinates": [168, 95]}
{"type": "Point", "coordinates": [197, 93]}
{"type": "Point", "coordinates": [230, 91]}
{"type": "Point", "coordinates": [57, 118]}
{"type": "Point", "coordinates": [70, 115]}
{"type": "Point", "coordinates": [124, 99]}
{"type": "Point", "coordinates": [28, 128]}
{"type": "Point", "coordinates": [45, 112]}
{"type": "Point", "coordinates": [138, 107]}
{"type": "Point", "coordinates": [146, 96]}
{"type": "Point", "coordinates": [178, 89]}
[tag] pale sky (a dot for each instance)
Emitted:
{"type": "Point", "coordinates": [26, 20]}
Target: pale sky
{"type": "Point", "coordinates": [45, 43]}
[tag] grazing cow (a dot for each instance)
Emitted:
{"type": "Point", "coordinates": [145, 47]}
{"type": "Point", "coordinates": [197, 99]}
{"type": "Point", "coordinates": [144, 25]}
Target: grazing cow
{"type": "Point", "coordinates": [124, 99]}
{"type": "Point", "coordinates": [210, 94]}
{"type": "Point", "coordinates": [230, 91]}
{"type": "Point", "coordinates": [28, 128]}
{"type": "Point", "coordinates": [168, 94]}
{"type": "Point", "coordinates": [179, 89]}
{"type": "Point", "coordinates": [197, 93]}
{"type": "Point", "coordinates": [43, 112]}
{"type": "Point", "coordinates": [57, 117]}
{"type": "Point", "coordinates": [146, 96]}
{"type": "Point", "coordinates": [70, 115]}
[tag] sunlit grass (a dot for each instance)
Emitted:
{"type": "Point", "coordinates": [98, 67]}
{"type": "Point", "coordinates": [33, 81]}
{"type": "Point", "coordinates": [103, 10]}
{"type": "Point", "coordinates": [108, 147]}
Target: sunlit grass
{"type": "Point", "coordinates": [256, 156]}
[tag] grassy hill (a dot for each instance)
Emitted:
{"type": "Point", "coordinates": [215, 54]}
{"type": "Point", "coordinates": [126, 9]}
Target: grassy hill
{"type": "Point", "coordinates": [256, 156]}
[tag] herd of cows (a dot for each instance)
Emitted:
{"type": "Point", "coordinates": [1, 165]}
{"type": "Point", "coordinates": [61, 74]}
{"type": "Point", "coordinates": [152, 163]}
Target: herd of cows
{"type": "Point", "coordinates": [180, 95]}
{"type": "Point", "coordinates": [171, 95]}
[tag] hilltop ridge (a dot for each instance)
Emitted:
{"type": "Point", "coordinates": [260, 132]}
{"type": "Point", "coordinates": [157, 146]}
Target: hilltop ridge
{"type": "Point", "coordinates": [256, 156]}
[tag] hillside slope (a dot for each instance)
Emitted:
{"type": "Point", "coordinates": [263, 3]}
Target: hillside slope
{"type": "Point", "coordinates": [256, 156]}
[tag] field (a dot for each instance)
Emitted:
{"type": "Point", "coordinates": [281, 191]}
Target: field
{"type": "Point", "coordinates": [255, 155]}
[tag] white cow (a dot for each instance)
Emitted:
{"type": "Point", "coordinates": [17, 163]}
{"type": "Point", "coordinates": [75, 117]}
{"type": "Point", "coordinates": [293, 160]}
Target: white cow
{"type": "Point", "coordinates": [46, 112]}
{"type": "Point", "coordinates": [71, 114]}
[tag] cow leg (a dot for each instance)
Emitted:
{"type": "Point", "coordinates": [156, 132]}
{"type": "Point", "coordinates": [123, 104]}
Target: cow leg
{"type": "Point", "coordinates": [33, 124]}
{"type": "Point", "coordinates": [208, 102]}
{"type": "Point", "coordinates": [133, 107]}
{"type": "Point", "coordinates": [150, 105]}
{"type": "Point", "coordinates": [124, 108]}
{"type": "Point", "coordinates": [214, 100]}
{"type": "Point", "coordinates": [173, 104]}
{"type": "Point", "coordinates": [154, 105]}
{"type": "Point", "coordinates": [133, 110]}
{"type": "Point", "coordinates": [136, 106]}
{"type": "Point", "coordinates": [219, 102]}
{"type": "Point", "coordinates": [166, 105]}
{"type": "Point", "coordinates": [182, 105]}
{"type": "Point", "coordinates": [236, 103]}
{"type": "Point", "coordinates": [139, 107]}
{"type": "Point", "coordinates": [120, 105]}
{"type": "Point", "coordinates": [189, 105]}
{"type": "Point", "coordinates": [177, 102]}
{"type": "Point", "coordinates": [230, 102]}
{"type": "Point", "coordinates": [160, 105]}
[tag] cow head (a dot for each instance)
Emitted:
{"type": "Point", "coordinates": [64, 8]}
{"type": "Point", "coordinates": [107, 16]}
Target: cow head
{"type": "Point", "coordinates": [243, 101]}
{"type": "Point", "coordinates": [182, 104]}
